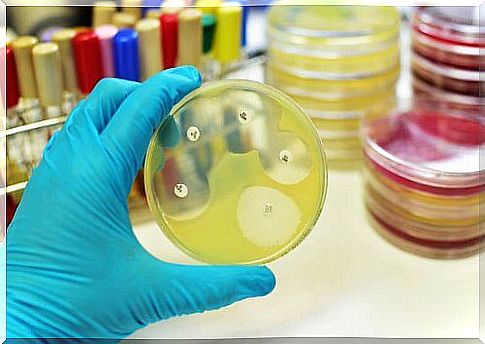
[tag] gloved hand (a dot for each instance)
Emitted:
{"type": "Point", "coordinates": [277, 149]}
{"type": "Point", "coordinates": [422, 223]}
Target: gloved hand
{"type": "Point", "coordinates": [74, 266]}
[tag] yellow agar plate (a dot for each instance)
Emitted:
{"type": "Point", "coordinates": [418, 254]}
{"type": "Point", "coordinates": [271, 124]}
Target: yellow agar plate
{"type": "Point", "coordinates": [342, 30]}
{"type": "Point", "coordinates": [323, 65]}
{"type": "Point", "coordinates": [338, 88]}
{"type": "Point", "coordinates": [236, 174]}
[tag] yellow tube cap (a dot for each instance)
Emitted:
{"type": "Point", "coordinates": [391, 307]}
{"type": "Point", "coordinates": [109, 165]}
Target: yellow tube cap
{"type": "Point", "coordinates": [22, 49]}
{"type": "Point", "coordinates": [150, 46]}
{"type": "Point", "coordinates": [48, 73]}
{"type": "Point", "coordinates": [132, 7]}
{"type": "Point", "coordinates": [103, 12]}
{"type": "Point", "coordinates": [124, 20]}
{"type": "Point", "coordinates": [63, 40]}
{"type": "Point", "coordinates": [227, 44]}
{"type": "Point", "coordinates": [208, 6]}
{"type": "Point", "coordinates": [190, 37]}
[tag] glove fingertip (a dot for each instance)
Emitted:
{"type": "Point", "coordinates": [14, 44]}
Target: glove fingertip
{"type": "Point", "coordinates": [266, 280]}
{"type": "Point", "coordinates": [191, 72]}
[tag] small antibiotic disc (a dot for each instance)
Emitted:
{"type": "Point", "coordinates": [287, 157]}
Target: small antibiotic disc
{"type": "Point", "coordinates": [236, 174]}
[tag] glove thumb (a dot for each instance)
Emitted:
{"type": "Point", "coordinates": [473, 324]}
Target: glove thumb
{"type": "Point", "coordinates": [195, 289]}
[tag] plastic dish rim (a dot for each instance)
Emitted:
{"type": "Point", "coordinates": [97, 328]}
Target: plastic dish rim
{"type": "Point", "coordinates": [258, 87]}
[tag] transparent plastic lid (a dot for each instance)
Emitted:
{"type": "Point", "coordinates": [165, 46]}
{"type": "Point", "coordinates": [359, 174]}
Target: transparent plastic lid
{"type": "Point", "coordinates": [429, 149]}
{"type": "Point", "coordinates": [300, 84]}
{"type": "Point", "coordinates": [325, 63]}
{"type": "Point", "coordinates": [455, 24]}
{"type": "Point", "coordinates": [345, 29]}
{"type": "Point", "coordinates": [236, 174]}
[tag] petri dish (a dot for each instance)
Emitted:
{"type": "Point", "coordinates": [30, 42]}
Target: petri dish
{"type": "Point", "coordinates": [341, 30]}
{"type": "Point", "coordinates": [353, 107]}
{"type": "Point", "coordinates": [451, 24]}
{"type": "Point", "coordinates": [419, 229]}
{"type": "Point", "coordinates": [439, 249]}
{"type": "Point", "coordinates": [424, 215]}
{"type": "Point", "coordinates": [447, 210]}
{"type": "Point", "coordinates": [452, 54]}
{"type": "Point", "coordinates": [331, 88]}
{"type": "Point", "coordinates": [389, 188]}
{"type": "Point", "coordinates": [461, 81]}
{"type": "Point", "coordinates": [328, 65]}
{"type": "Point", "coordinates": [428, 149]}
{"type": "Point", "coordinates": [457, 103]}
{"type": "Point", "coordinates": [236, 174]}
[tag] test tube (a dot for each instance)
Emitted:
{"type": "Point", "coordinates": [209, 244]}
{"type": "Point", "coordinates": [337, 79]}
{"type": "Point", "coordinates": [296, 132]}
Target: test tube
{"type": "Point", "coordinates": [169, 36]}
{"type": "Point", "coordinates": [17, 169]}
{"type": "Point", "coordinates": [48, 75]}
{"type": "Point", "coordinates": [190, 37]}
{"type": "Point", "coordinates": [209, 67]}
{"type": "Point", "coordinates": [132, 7]}
{"type": "Point", "coordinates": [28, 109]}
{"type": "Point", "coordinates": [124, 20]}
{"type": "Point", "coordinates": [22, 49]}
{"type": "Point", "coordinates": [13, 94]}
{"type": "Point", "coordinates": [103, 12]}
{"type": "Point", "coordinates": [227, 43]}
{"type": "Point", "coordinates": [87, 57]}
{"type": "Point", "coordinates": [150, 47]}
{"type": "Point", "coordinates": [10, 36]}
{"type": "Point", "coordinates": [125, 52]}
{"type": "Point", "coordinates": [63, 39]}
{"type": "Point", "coordinates": [105, 34]}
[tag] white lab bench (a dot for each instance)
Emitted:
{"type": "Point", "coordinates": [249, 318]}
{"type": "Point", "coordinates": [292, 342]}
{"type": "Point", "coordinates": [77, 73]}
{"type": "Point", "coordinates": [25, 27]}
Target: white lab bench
{"type": "Point", "coordinates": [344, 280]}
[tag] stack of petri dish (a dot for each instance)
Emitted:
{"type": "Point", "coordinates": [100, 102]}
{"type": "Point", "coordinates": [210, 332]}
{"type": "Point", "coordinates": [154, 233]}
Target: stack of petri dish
{"type": "Point", "coordinates": [423, 180]}
{"type": "Point", "coordinates": [340, 63]}
{"type": "Point", "coordinates": [446, 60]}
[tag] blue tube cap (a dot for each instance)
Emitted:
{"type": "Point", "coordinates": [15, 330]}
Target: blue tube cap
{"type": "Point", "coordinates": [245, 5]}
{"type": "Point", "coordinates": [125, 52]}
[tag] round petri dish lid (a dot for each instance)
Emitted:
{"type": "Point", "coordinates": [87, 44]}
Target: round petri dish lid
{"type": "Point", "coordinates": [446, 218]}
{"type": "Point", "coordinates": [441, 249]}
{"type": "Point", "coordinates": [428, 149]}
{"type": "Point", "coordinates": [331, 64]}
{"type": "Point", "coordinates": [456, 24]}
{"type": "Point", "coordinates": [452, 54]}
{"type": "Point", "coordinates": [307, 85]}
{"type": "Point", "coordinates": [417, 228]}
{"type": "Point", "coordinates": [467, 105]}
{"type": "Point", "coordinates": [445, 71]}
{"type": "Point", "coordinates": [236, 174]}
{"type": "Point", "coordinates": [348, 30]}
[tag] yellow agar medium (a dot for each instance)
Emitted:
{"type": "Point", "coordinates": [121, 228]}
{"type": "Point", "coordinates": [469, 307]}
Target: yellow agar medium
{"type": "Point", "coordinates": [339, 88]}
{"type": "Point", "coordinates": [324, 64]}
{"type": "Point", "coordinates": [421, 196]}
{"type": "Point", "coordinates": [236, 174]}
{"type": "Point", "coordinates": [349, 30]}
{"type": "Point", "coordinates": [416, 215]}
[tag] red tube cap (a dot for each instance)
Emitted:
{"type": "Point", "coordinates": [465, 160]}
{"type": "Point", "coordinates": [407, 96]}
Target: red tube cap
{"type": "Point", "coordinates": [169, 28]}
{"type": "Point", "coordinates": [13, 93]}
{"type": "Point", "coordinates": [87, 57]}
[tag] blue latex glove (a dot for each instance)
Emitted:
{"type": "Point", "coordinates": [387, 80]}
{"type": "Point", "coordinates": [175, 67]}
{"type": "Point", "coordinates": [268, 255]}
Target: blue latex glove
{"type": "Point", "coordinates": [74, 266]}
